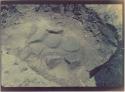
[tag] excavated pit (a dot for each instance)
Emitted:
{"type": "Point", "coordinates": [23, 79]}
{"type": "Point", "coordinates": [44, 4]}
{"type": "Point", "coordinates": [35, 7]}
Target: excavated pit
{"type": "Point", "coordinates": [61, 43]}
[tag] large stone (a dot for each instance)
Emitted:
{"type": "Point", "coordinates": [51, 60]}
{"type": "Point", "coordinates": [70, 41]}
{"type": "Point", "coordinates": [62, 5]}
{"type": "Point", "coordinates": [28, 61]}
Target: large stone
{"type": "Point", "coordinates": [38, 37]}
{"type": "Point", "coordinates": [52, 40]}
{"type": "Point", "coordinates": [70, 44]}
{"type": "Point", "coordinates": [73, 60]}
{"type": "Point", "coordinates": [53, 59]}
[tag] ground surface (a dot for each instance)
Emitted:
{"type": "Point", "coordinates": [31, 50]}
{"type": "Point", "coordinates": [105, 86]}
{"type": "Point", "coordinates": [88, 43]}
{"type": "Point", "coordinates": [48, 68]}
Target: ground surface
{"type": "Point", "coordinates": [55, 46]}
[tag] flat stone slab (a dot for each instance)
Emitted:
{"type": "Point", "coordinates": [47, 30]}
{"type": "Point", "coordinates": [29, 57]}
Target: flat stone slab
{"type": "Point", "coordinates": [70, 44]}
{"type": "Point", "coordinates": [37, 37]}
{"type": "Point", "coordinates": [53, 40]}
{"type": "Point", "coordinates": [55, 30]}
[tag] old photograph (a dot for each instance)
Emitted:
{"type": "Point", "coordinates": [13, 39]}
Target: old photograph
{"type": "Point", "coordinates": [62, 45]}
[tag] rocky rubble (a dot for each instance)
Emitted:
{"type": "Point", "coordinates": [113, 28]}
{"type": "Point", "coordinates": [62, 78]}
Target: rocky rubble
{"type": "Point", "coordinates": [48, 48]}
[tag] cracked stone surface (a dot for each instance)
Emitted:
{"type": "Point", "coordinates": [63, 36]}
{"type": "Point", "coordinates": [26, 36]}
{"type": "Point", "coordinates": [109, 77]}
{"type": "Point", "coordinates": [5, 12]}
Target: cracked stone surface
{"type": "Point", "coordinates": [60, 45]}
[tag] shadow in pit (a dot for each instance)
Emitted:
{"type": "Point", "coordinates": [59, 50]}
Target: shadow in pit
{"type": "Point", "coordinates": [110, 74]}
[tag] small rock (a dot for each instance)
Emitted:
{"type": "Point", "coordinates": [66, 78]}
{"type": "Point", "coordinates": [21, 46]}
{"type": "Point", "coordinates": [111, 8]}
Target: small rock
{"type": "Point", "coordinates": [52, 40]}
{"type": "Point", "coordinates": [70, 44]}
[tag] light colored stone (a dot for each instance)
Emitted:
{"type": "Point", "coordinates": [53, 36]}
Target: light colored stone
{"type": "Point", "coordinates": [70, 44]}
{"type": "Point", "coordinates": [38, 37]}
{"type": "Point", "coordinates": [53, 59]}
{"type": "Point", "coordinates": [52, 40]}
{"type": "Point", "coordinates": [55, 30]}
